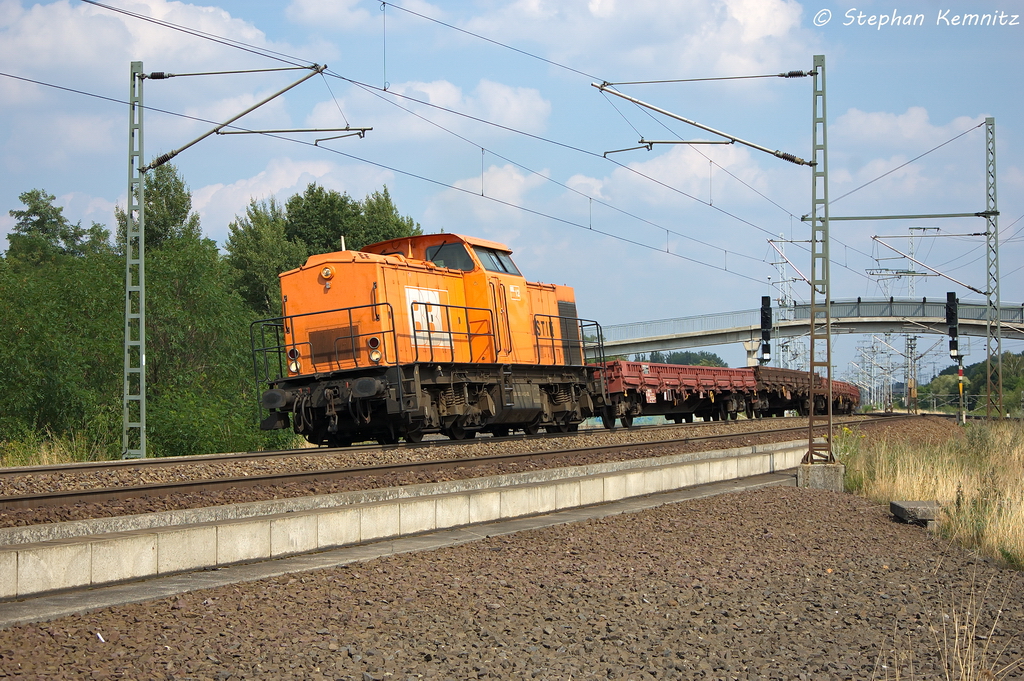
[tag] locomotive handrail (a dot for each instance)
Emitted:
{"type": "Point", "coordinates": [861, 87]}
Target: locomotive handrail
{"type": "Point", "coordinates": [451, 333]}
{"type": "Point", "coordinates": [279, 346]}
{"type": "Point", "coordinates": [580, 343]}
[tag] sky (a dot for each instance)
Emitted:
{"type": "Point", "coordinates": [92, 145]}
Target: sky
{"type": "Point", "coordinates": [485, 122]}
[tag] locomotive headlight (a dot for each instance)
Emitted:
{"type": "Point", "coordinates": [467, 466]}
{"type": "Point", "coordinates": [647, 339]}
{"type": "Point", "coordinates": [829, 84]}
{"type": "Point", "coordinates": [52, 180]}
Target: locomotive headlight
{"type": "Point", "coordinates": [375, 356]}
{"type": "Point", "coordinates": [327, 272]}
{"type": "Point", "coordinates": [294, 366]}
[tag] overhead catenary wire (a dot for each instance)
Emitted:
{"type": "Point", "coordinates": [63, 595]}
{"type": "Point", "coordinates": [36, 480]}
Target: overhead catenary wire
{"type": "Point", "coordinates": [406, 173]}
{"type": "Point", "coordinates": [561, 184]}
{"type": "Point", "coordinates": [295, 60]}
{"type": "Point", "coordinates": [903, 165]}
{"type": "Point", "coordinates": [272, 54]}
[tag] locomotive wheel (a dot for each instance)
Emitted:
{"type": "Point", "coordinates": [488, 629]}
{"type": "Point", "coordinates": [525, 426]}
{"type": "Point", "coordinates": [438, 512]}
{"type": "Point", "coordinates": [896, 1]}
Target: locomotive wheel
{"type": "Point", "coordinates": [387, 439]}
{"type": "Point", "coordinates": [415, 435]}
{"type": "Point", "coordinates": [626, 420]}
{"type": "Point", "coordinates": [608, 418]}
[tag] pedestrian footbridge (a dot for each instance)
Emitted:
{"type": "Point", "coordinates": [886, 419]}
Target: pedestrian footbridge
{"type": "Point", "coordinates": [892, 315]}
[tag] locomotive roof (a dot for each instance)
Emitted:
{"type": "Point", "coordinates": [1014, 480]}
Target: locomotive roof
{"type": "Point", "coordinates": [433, 238]}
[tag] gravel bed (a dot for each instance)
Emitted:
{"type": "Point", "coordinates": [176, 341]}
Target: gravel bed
{"type": "Point", "coordinates": [780, 583]}
{"type": "Point", "coordinates": [924, 428]}
{"type": "Point", "coordinates": [69, 478]}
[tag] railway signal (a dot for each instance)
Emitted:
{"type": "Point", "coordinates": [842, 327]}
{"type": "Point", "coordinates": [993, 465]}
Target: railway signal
{"type": "Point", "coordinates": [766, 329]}
{"type": "Point", "coordinates": [953, 322]}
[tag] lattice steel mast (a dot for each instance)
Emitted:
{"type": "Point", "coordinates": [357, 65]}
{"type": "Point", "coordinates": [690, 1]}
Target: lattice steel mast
{"type": "Point", "coordinates": [993, 323]}
{"type": "Point", "coordinates": [133, 436]}
{"type": "Point", "coordinates": [821, 312]}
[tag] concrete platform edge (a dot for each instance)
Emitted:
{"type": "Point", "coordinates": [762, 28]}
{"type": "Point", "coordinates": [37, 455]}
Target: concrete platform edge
{"type": "Point", "coordinates": [49, 607]}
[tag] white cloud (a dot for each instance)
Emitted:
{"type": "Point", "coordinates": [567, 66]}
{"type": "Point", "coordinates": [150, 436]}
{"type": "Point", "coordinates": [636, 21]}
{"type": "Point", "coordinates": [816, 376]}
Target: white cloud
{"type": "Point", "coordinates": [339, 14]}
{"type": "Point", "coordinates": [913, 128]}
{"type": "Point", "coordinates": [641, 36]}
{"type": "Point", "coordinates": [515, 107]}
{"type": "Point", "coordinates": [218, 204]}
{"type": "Point", "coordinates": [460, 210]}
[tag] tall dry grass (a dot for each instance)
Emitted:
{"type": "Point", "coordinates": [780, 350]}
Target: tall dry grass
{"type": "Point", "coordinates": [45, 449]}
{"type": "Point", "coordinates": [978, 479]}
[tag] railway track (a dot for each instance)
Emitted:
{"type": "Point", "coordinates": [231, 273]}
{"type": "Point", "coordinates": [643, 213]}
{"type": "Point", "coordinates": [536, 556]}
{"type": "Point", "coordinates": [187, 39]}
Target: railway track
{"type": "Point", "coordinates": [179, 461]}
{"type": "Point", "coordinates": [215, 485]}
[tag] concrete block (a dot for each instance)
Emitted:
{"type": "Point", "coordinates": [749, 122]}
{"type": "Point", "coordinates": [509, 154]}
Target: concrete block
{"type": "Point", "coordinates": [754, 464]}
{"type": "Point", "coordinates": [519, 501]}
{"type": "Point", "coordinates": [54, 565]}
{"type": "Point", "coordinates": [591, 491]}
{"type": "Point", "coordinates": [452, 511]}
{"type": "Point", "coordinates": [919, 512]}
{"type": "Point", "coordinates": [189, 548]}
{"type": "Point", "coordinates": [674, 477]}
{"type": "Point", "coordinates": [243, 540]}
{"type": "Point", "coordinates": [378, 521]}
{"type": "Point", "coordinates": [124, 556]}
{"type": "Point", "coordinates": [567, 494]}
{"type": "Point", "coordinates": [614, 487]}
{"type": "Point", "coordinates": [338, 527]}
{"type": "Point", "coordinates": [484, 506]}
{"type": "Point", "coordinates": [722, 469]}
{"type": "Point", "coordinates": [293, 533]}
{"type": "Point", "coordinates": [546, 499]}
{"type": "Point", "coordinates": [701, 472]}
{"type": "Point", "coordinates": [417, 516]}
{"type": "Point", "coordinates": [821, 476]}
{"type": "Point", "coordinates": [8, 573]}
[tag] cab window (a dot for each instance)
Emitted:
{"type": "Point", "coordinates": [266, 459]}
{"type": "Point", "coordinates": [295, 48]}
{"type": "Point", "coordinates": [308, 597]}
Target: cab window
{"type": "Point", "coordinates": [495, 261]}
{"type": "Point", "coordinates": [453, 256]}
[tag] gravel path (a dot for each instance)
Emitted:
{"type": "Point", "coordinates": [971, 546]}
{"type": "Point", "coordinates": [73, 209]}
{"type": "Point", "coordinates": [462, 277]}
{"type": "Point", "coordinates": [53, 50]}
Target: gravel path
{"type": "Point", "coordinates": [923, 428]}
{"type": "Point", "coordinates": [781, 583]}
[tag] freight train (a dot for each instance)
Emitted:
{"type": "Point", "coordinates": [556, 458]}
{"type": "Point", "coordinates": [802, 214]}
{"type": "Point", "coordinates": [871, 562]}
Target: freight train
{"type": "Point", "coordinates": [442, 333]}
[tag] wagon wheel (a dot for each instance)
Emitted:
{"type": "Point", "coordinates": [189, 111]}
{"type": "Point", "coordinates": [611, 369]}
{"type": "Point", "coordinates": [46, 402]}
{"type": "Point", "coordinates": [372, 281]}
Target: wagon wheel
{"type": "Point", "coordinates": [748, 409]}
{"type": "Point", "coordinates": [608, 418]}
{"type": "Point", "coordinates": [677, 418]}
{"type": "Point", "coordinates": [414, 435]}
{"type": "Point", "coordinates": [560, 425]}
{"type": "Point", "coordinates": [500, 432]}
{"type": "Point", "coordinates": [626, 420]}
{"type": "Point", "coordinates": [456, 431]}
{"type": "Point", "coordinates": [533, 427]}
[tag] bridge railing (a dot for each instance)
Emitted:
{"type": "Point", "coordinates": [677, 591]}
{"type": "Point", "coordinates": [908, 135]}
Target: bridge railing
{"type": "Point", "coordinates": [841, 309]}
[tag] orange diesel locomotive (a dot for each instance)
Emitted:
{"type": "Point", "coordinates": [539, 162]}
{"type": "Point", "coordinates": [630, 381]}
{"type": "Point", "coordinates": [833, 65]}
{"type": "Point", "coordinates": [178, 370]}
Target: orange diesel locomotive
{"type": "Point", "coordinates": [437, 333]}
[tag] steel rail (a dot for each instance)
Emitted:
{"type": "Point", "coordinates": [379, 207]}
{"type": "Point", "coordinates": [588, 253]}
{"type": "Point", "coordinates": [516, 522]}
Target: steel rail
{"type": "Point", "coordinates": [68, 497]}
{"type": "Point", "coordinates": [170, 461]}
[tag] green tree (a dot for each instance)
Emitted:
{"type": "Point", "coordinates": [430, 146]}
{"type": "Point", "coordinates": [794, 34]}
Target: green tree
{"type": "Point", "coordinates": [382, 221]}
{"type": "Point", "coordinates": [42, 233]}
{"type": "Point", "coordinates": [319, 217]}
{"type": "Point", "coordinates": [257, 251]}
{"type": "Point", "coordinates": [688, 358]}
{"type": "Point", "coordinates": [169, 214]}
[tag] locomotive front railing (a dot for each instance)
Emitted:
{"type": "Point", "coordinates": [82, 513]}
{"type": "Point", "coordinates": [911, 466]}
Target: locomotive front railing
{"type": "Point", "coordinates": [274, 340]}
{"type": "Point", "coordinates": [439, 334]}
